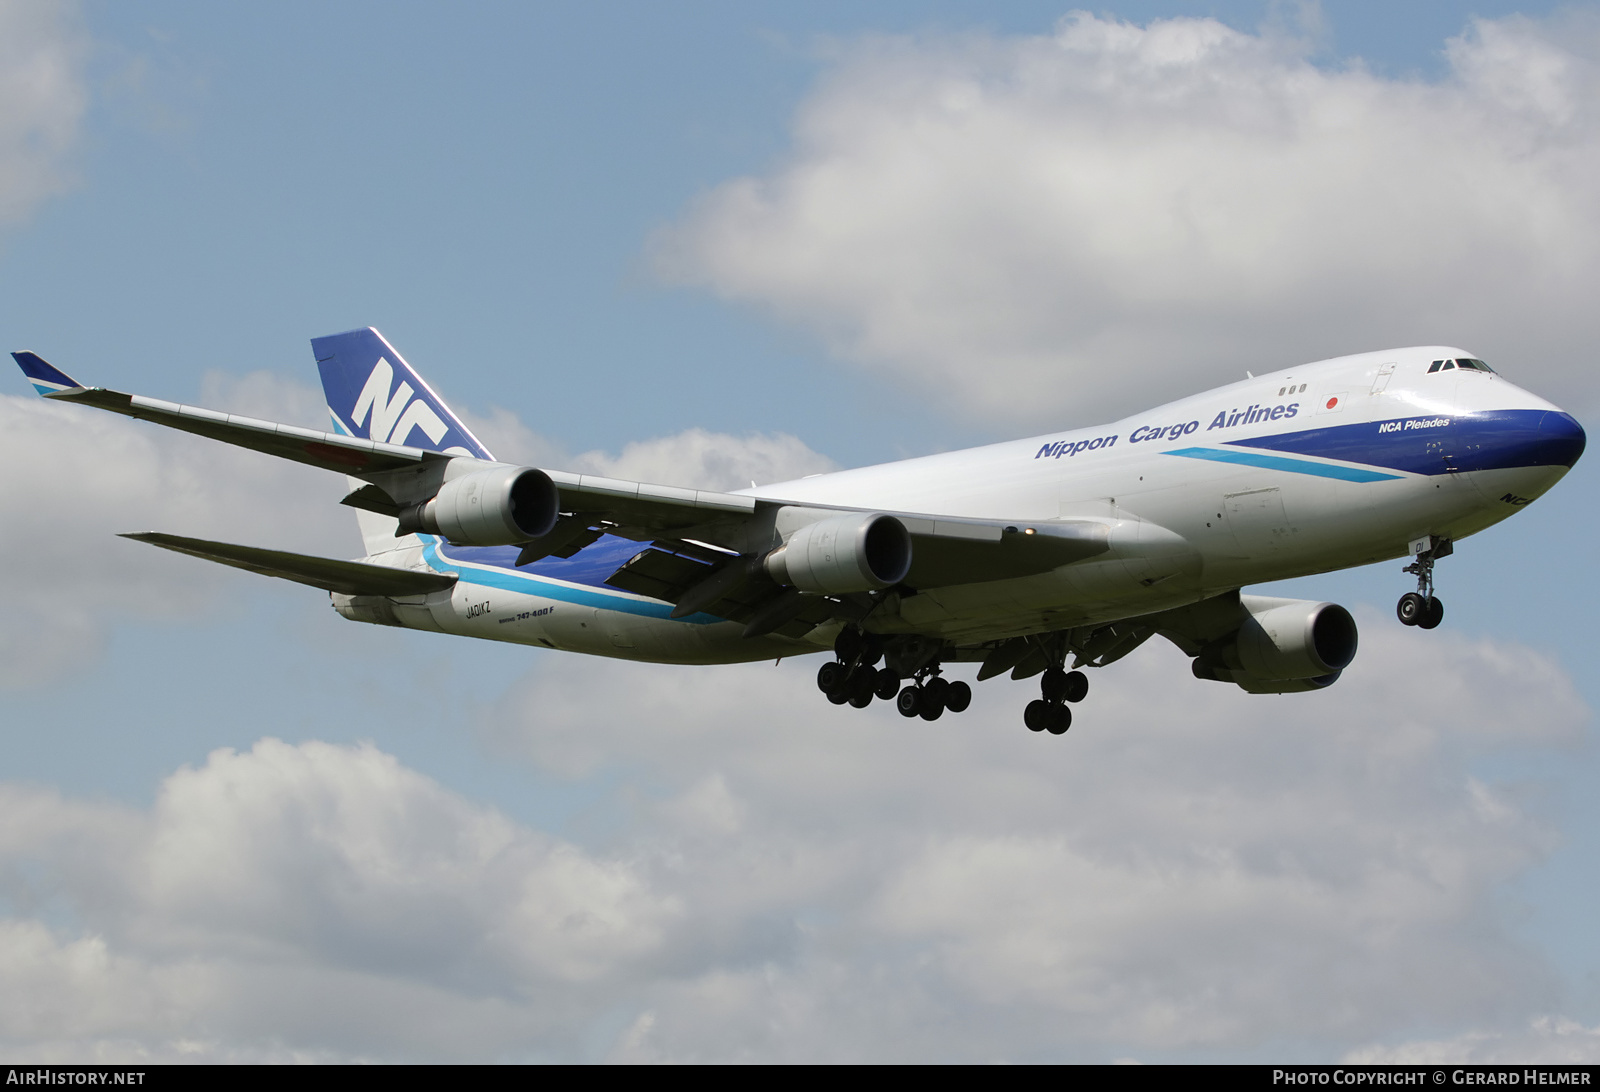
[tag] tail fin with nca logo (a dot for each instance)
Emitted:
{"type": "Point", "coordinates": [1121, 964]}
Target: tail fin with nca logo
{"type": "Point", "coordinates": [373, 394]}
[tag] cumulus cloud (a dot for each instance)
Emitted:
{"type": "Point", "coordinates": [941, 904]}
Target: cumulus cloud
{"type": "Point", "coordinates": [1191, 868]}
{"type": "Point", "coordinates": [42, 100]}
{"type": "Point", "coordinates": [761, 875]}
{"type": "Point", "coordinates": [1546, 1040]}
{"type": "Point", "coordinates": [404, 911]}
{"type": "Point", "coordinates": [90, 475]}
{"type": "Point", "coordinates": [1064, 226]}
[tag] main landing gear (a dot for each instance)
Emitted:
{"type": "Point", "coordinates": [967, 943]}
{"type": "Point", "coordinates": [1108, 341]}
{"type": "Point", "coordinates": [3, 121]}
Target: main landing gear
{"type": "Point", "coordinates": [1421, 608]}
{"type": "Point", "coordinates": [856, 679]}
{"type": "Point", "coordinates": [1049, 713]}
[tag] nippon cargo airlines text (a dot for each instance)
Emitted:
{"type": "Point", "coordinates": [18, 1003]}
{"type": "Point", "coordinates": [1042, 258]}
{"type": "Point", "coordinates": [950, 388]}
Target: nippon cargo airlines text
{"type": "Point", "coordinates": [1042, 559]}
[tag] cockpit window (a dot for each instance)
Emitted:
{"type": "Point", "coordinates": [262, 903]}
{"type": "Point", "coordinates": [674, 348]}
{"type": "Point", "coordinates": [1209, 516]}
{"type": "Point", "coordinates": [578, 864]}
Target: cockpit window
{"type": "Point", "coordinates": [1470, 364]}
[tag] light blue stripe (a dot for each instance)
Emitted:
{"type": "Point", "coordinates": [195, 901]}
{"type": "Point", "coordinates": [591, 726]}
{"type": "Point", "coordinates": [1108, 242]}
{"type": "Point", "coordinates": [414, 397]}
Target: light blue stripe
{"type": "Point", "coordinates": [528, 584]}
{"type": "Point", "coordinates": [1278, 462]}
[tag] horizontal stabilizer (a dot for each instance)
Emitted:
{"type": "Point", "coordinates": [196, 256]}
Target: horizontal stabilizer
{"type": "Point", "coordinates": [346, 577]}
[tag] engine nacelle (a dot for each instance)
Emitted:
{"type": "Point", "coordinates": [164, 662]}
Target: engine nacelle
{"type": "Point", "coordinates": [854, 552]}
{"type": "Point", "coordinates": [500, 506]}
{"type": "Point", "coordinates": [1284, 646]}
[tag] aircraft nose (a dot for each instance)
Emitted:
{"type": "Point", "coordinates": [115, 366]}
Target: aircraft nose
{"type": "Point", "coordinates": [1561, 439]}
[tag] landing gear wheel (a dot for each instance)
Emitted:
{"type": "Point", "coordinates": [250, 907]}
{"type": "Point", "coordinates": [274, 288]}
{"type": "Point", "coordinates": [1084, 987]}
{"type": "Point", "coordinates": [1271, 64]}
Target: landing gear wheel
{"type": "Point", "coordinates": [1432, 614]}
{"type": "Point", "coordinates": [958, 697]}
{"type": "Point", "coordinates": [1412, 609]}
{"type": "Point", "coordinates": [936, 690]}
{"type": "Point", "coordinates": [1037, 715]}
{"type": "Point", "coordinates": [888, 684]}
{"type": "Point", "coordinates": [839, 696]}
{"type": "Point", "coordinates": [909, 702]}
{"type": "Point", "coordinates": [930, 707]}
{"type": "Point", "coordinates": [861, 685]}
{"type": "Point", "coordinates": [1053, 684]}
{"type": "Point", "coordinates": [1077, 686]}
{"type": "Point", "coordinates": [829, 676]}
{"type": "Point", "coordinates": [1060, 720]}
{"type": "Point", "coordinates": [849, 643]}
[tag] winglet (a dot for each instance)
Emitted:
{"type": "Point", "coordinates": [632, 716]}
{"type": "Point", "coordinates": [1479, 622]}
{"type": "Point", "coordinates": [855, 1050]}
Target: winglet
{"type": "Point", "coordinates": [45, 379]}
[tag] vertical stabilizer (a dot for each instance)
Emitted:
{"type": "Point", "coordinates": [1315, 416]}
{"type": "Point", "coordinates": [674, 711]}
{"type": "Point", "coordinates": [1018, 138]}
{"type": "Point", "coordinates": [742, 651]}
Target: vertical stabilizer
{"type": "Point", "coordinates": [373, 394]}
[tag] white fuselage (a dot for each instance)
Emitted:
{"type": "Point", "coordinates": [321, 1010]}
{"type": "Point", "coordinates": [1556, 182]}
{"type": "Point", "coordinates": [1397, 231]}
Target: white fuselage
{"type": "Point", "coordinates": [1190, 512]}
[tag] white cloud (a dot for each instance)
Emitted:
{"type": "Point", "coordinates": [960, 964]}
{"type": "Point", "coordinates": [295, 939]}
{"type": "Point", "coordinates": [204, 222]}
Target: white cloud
{"type": "Point", "coordinates": [87, 476]}
{"type": "Point", "coordinates": [694, 457]}
{"type": "Point", "coordinates": [710, 460]}
{"type": "Point", "coordinates": [766, 876]}
{"type": "Point", "coordinates": [1065, 226]}
{"type": "Point", "coordinates": [1546, 1040]}
{"type": "Point", "coordinates": [42, 100]}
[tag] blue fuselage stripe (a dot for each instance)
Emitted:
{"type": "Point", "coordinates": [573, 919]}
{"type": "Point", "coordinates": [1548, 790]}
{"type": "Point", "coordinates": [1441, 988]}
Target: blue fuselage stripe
{"type": "Point", "coordinates": [498, 570]}
{"type": "Point", "coordinates": [1440, 443]}
{"type": "Point", "coordinates": [1278, 462]}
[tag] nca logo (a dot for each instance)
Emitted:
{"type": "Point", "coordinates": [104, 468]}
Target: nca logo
{"type": "Point", "coordinates": [1514, 500]}
{"type": "Point", "coordinates": [394, 418]}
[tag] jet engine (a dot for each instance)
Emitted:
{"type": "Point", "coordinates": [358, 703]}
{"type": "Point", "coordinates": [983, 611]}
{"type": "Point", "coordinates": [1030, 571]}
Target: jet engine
{"type": "Point", "coordinates": [500, 506]}
{"type": "Point", "coordinates": [854, 552]}
{"type": "Point", "coordinates": [1284, 646]}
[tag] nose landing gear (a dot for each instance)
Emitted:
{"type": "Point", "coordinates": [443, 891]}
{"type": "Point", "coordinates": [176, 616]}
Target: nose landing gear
{"type": "Point", "coordinates": [1422, 608]}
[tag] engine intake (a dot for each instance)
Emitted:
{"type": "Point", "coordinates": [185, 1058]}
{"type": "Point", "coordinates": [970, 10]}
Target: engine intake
{"type": "Point", "coordinates": [501, 506]}
{"type": "Point", "coordinates": [1284, 646]}
{"type": "Point", "coordinates": [853, 552]}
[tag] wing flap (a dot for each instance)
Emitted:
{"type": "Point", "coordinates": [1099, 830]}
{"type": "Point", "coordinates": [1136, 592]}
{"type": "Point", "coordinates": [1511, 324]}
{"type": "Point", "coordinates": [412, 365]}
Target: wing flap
{"type": "Point", "coordinates": [950, 552]}
{"type": "Point", "coordinates": [346, 577]}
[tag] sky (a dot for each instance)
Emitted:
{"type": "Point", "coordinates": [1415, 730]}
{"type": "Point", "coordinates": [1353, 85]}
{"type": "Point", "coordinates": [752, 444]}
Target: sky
{"type": "Point", "coordinates": [709, 243]}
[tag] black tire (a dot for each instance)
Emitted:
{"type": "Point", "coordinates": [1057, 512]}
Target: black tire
{"type": "Point", "coordinates": [909, 702]}
{"type": "Point", "coordinates": [863, 683]}
{"type": "Point", "coordinates": [1077, 686]}
{"type": "Point", "coordinates": [932, 708]}
{"type": "Point", "coordinates": [936, 690]}
{"type": "Point", "coordinates": [848, 644]}
{"type": "Point", "coordinates": [1037, 715]}
{"type": "Point", "coordinates": [1411, 609]}
{"type": "Point", "coordinates": [958, 697]}
{"type": "Point", "coordinates": [829, 676]}
{"type": "Point", "coordinates": [871, 651]}
{"type": "Point", "coordinates": [839, 696]}
{"type": "Point", "coordinates": [1432, 614]}
{"type": "Point", "coordinates": [888, 684]}
{"type": "Point", "coordinates": [1053, 684]}
{"type": "Point", "coordinates": [1060, 720]}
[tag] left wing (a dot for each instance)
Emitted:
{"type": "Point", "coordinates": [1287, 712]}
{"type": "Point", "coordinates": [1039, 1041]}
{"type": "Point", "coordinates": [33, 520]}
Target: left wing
{"type": "Point", "coordinates": [346, 577]}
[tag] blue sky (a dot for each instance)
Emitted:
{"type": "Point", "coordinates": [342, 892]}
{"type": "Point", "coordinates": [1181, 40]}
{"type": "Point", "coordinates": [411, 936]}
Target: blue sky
{"type": "Point", "coordinates": [539, 206]}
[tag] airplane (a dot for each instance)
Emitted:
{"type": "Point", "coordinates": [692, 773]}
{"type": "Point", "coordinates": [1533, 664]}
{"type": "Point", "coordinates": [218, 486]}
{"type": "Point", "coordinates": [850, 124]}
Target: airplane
{"type": "Point", "coordinates": [1016, 556]}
